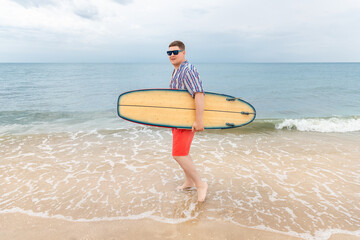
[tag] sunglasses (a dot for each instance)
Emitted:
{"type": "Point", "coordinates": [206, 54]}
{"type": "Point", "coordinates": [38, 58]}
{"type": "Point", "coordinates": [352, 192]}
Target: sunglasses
{"type": "Point", "coordinates": [175, 52]}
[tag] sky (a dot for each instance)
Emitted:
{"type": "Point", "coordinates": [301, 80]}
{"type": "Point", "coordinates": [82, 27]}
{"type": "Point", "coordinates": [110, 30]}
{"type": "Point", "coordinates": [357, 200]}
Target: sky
{"type": "Point", "coordinates": [214, 31]}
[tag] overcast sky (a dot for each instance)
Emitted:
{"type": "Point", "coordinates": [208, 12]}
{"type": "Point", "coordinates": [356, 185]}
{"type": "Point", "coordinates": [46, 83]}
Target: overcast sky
{"type": "Point", "coordinates": [213, 30]}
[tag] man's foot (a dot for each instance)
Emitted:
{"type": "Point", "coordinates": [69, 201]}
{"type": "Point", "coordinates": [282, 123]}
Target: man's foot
{"type": "Point", "coordinates": [202, 190]}
{"type": "Point", "coordinates": [186, 185]}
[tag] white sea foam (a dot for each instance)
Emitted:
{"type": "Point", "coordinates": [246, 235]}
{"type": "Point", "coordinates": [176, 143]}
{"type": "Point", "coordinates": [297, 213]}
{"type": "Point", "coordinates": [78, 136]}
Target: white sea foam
{"type": "Point", "coordinates": [334, 124]}
{"type": "Point", "coordinates": [319, 235]}
{"type": "Point", "coordinates": [259, 181]}
{"type": "Point", "coordinates": [326, 234]}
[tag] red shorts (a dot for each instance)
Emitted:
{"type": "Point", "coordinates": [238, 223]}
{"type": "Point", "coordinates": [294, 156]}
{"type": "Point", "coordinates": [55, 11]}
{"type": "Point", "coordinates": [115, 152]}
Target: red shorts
{"type": "Point", "coordinates": [182, 139]}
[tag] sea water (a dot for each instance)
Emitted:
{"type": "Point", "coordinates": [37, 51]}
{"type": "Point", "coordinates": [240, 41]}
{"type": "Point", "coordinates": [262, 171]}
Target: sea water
{"type": "Point", "coordinates": [64, 152]}
{"type": "Point", "coordinates": [279, 91]}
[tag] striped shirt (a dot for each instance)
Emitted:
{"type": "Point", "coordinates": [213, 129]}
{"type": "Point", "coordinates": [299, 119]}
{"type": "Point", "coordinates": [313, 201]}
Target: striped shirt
{"type": "Point", "coordinates": [187, 78]}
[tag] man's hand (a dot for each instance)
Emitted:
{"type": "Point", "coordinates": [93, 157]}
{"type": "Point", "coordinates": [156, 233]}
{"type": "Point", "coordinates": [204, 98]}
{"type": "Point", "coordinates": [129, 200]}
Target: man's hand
{"type": "Point", "coordinates": [198, 126]}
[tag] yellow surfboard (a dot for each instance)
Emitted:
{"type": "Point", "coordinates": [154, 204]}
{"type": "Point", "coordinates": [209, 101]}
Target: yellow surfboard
{"type": "Point", "coordinates": [176, 109]}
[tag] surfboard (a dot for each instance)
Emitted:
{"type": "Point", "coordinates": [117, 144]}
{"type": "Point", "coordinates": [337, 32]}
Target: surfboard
{"type": "Point", "coordinates": [176, 109]}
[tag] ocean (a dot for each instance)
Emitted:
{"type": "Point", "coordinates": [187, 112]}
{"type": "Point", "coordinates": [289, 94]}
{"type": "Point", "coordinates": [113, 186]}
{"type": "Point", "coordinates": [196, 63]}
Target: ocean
{"type": "Point", "coordinates": [65, 154]}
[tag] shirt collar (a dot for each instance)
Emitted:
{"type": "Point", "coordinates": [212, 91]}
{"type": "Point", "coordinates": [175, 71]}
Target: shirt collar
{"type": "Point", "coordinates": [181, 66]}
{"type": "Point", "coordinates": [185, 62]}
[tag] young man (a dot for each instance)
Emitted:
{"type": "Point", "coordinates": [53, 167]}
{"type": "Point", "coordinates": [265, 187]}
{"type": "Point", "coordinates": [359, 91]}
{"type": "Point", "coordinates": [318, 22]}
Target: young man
{"type": "Point", "coordinates": [185, 76]}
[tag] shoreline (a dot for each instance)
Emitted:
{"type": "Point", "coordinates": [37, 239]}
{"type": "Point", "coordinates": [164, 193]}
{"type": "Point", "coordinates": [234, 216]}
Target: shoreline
{"type": "Point", "coordinates": [22, 226]}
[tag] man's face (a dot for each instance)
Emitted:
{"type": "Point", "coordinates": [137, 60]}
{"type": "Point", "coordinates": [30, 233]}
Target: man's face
{"type": "Point", "coordinates": [176, 60]}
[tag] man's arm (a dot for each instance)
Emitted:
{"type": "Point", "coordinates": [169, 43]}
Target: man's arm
{"type": "Point", "coordinates": [198, 125]}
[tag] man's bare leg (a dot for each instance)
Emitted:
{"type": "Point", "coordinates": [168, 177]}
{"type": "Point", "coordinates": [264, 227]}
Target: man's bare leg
{"type": "Point", "coordinates": [187, 184]}
{"type": "Point", "coordinates": [192, 175]}
{"type": "Point", "coordinates": [188, 181]}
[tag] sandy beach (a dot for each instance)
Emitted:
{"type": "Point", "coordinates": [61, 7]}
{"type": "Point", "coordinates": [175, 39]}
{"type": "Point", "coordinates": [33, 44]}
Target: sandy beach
{"type": "Point", "coordinates": [120, 184]}
{"type": "Point", "coordinates": [20, 226]}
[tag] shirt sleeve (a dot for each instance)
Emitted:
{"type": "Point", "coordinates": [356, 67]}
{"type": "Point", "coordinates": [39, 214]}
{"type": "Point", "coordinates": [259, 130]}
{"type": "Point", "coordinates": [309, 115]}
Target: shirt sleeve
{"type": "Point", "coordinates": [192, 81]}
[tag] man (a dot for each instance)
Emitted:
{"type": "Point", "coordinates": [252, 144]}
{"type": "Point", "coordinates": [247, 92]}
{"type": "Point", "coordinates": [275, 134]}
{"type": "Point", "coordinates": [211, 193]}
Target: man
{"type": "Point", "coordinates": [185, 76]}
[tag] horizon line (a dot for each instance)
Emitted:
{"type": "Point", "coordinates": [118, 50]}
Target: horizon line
{"type": "Point", "coordinates": [280, 62]}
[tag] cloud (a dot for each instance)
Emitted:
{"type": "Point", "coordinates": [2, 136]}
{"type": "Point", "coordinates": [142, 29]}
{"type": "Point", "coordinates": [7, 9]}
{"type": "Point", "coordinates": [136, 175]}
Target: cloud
{"type": "Point", "coordinates": [214, 30]}
{"type": "Point", "coordinates": [35, 3]}
{"type": "Point", "coordinates": [87, 12]}
{"type": "Point", "coordinates": [194, 12]}
{"type": "Point", "coordinates": [123, 2]}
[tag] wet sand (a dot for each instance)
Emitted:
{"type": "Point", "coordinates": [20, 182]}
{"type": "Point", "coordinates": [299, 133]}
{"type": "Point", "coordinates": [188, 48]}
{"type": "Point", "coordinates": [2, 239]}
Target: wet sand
{"type": "Point", "coordinates": [121, 185]}
{"type": "Point", "coordinates": [20, 226]}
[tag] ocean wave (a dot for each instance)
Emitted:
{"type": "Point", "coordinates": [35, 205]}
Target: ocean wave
{"type": "Point", "coordinates": [321, 125]}
{"type": "Point", "coordinates": [37, 122]}
{"type": "Point", "coordinates": [324, 125]}
{"type": "Point", "coordinates": [33, 122]}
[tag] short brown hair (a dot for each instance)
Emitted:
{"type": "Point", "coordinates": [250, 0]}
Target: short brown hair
{"type": "Point", "coordinates": [179, 44]}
